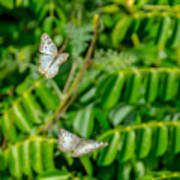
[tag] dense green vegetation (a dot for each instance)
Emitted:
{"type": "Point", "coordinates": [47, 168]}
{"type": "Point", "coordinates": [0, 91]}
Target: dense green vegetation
{"type": "Point", "coordinates": [124, 89]}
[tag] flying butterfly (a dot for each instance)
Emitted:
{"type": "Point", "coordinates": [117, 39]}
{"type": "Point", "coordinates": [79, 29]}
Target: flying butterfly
{"type": "Point", "coordinates": [50, 60]}
{"type": "Point", "coordinates": [69, 142]}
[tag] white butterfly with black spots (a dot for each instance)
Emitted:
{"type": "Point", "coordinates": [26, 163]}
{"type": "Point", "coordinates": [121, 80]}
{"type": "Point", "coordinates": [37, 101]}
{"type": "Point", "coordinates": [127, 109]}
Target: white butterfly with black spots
{"type": "Point", "coordinates": [69, 142]}
{"type": "Point", "coordinates": [50, 60]}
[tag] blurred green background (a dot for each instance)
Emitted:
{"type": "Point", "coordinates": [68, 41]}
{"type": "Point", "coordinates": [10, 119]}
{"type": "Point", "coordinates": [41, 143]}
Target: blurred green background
{"type": "Point", "coordinates": [129, 96]}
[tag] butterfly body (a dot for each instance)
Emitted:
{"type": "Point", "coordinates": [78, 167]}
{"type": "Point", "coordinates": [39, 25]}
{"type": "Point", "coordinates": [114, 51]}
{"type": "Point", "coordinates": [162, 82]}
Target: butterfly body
{"type": "Point", "coordinates": [50, 60]}
{"type": "Point", "coordinates": [69, 142]}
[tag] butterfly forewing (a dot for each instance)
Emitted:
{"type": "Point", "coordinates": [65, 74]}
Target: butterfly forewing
{"type": "Point", "coordinates": [85, 147]}
{"type": "Point", "coordinates": [61, 58]}
{"type": "Point", "coordinates": [67, 141]}
{"type": "Point", "coordinates": [50, 60]}
{"type": "Point", "coordinates": [45, 62]}
{"type": "Point", "coordinates": [47, 46]}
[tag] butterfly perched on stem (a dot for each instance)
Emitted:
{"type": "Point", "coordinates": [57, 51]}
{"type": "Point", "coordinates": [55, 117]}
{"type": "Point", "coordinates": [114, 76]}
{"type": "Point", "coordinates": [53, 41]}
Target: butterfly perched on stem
{"type": "Point", "coordinates": [69, 142]}
{"type": "Point", "coordinates": [50, 60]}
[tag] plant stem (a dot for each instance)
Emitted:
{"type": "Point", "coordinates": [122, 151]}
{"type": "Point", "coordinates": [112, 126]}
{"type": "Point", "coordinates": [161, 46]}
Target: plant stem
{"type": "Point", "coordinates": [84, 66]}
{"type": "Point", "coordinates": [62, 107]}
{"type": "Point", "coordinates": [121, 128]}
{"type": "Point", "coordinates": [64, 45]}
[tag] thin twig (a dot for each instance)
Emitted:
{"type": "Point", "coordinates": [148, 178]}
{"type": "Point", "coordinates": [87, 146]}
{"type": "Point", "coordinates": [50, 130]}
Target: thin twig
{"type": "Point", "coordinates": [85, 64]}
{"type": "Point", "coordinates": [62, 107]}
{"type": "Point", "coordinates": [64, 45]}
{"type": "Point", "coordinates": [71, 100]}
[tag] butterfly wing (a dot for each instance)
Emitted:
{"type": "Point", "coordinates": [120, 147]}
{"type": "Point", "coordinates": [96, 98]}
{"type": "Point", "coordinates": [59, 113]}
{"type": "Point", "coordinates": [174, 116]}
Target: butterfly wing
{"type": "Point", "coordinates": [67, 141]}
{"type": "Point", "coordinates": [86, 147]}
{"type": "Point", "coordinates": [47, 46]}
{"type": "Point", "coordinates": [52, 71]}
{"type": "Point", "coordinates": [54, 68]}
{"type": "Point", "coordinates": [45, 62]}
{"type": "Point", "coordinates": [61, 58]}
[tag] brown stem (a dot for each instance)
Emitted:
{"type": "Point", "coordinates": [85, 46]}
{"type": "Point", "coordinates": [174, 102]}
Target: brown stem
{"type": "Point", "coordinates": [62, 107]}
{"type": "Point", "coordinates": [84, 66]}
{"type": "Point", "coordinates": [71, 100]}
{"type": "Point", "coordinates": [64, 45]}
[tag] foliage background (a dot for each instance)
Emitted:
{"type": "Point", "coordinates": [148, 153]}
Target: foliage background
{"type": "Point", "coordinates": [129, 96]}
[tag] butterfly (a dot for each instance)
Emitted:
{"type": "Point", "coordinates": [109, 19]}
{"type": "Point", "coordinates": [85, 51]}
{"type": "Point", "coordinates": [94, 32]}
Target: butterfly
{"type": "Point", "coordinates": [69, 142]}
{"type": "Point", "coordinates": [50, 60]}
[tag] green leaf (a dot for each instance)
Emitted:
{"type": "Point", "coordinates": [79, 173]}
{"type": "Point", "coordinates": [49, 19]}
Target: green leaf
{"type": "Point", "coordinates": [78, 119]}
{"type": "Point", "coordinates": [139, 169]}
{"type": "Point", "coordinates": [84, 122]}
{"type": "Point", "coordinates": [8, 129]}
{"type": "Point", "coordinates": [54, 175]}
{"type": "Point", "coordinates": [144, 142]}
{"type": "Point", "coordinates": [102, 118]}
{"type": "Point", "coordinates": [163, 34]}
{"type": "Point", "coordinates": [110, 9]}
{"type": "Point", "coordinates": [142, 2]}
{"type": "Point", "coordinates": [176, 139]}
{"type": "Point", "coordinates": [108, 154]}
{"type": "Point", "coordinates": [87, 81]}
{"type": "Point", "coordinates": [15, 166]}
{"type": "Point", "coordinates": [119, 114]}
{"type": "Point", "coordinates": [47, 97]}
{"type": "Point", "coordinates": [134, 87]}
{"type": "Point", "coordinates": [87, 165]}
{"type": "Point", "coordinates": [25, 151]}
{"type": "Point", "coordinates": [48, 155]}
{"type": "Point", "coordinates": [48, 24]}
{"type": "Point", "coordinates": [36, 155]}
{"type": "Point", "coordinates": [171, 86]}
{"type": "Point", "coordinates": [161, 141]}
{"type": "Point", "coordinates": [3, 160]}
{"type": "Point", "coordinates": [176, 34]}
{"type": "Point", "coordinates": [9, 4]}
{"type": "Point", "coordinates": [128, 147]}
{"type": "Point", "coordinates": [88, 95]}
{"type": "Point", "coordinates": [61, 14]}
{"type": "Point", "coordinates": [152, 86]}
{"type": "Point", "coordinates": [32, 107]}
{"type": "Point", "coordinates": [113, 92]}
{"type": "Point", "coordinates": [104, 86]}
{"type": "Point", "coordinates": [124, 171]}
{"type": "Point", "coordinates": [42, 13]}
{"type": "Point", "coordinates": [120, 30]}
{"type": "Point", "coordinates": [20, 118]}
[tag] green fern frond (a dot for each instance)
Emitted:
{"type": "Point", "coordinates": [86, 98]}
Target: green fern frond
{"type": "Point", "coordinates": [161, 175]}
{"type": "Point", "coordinates": [31, 109]}
{"type": "Point", "coordinates": [135, 86]}
{"type": "Point", "coordinates": [127, 142]}
{"type": "Point", "coordinates": [34, 154]}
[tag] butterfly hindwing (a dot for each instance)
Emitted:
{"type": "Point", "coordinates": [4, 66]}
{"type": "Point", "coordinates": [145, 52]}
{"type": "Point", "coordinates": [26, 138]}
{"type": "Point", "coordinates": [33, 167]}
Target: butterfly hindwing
{"type": "Point", "coordinates": [47, 46]}
{"type": "Point", "coordinates": [45, 62]}
{"type": "Point", "coordinates": [50, 60]}
{"type": "Point", "coordinates": [86, 147]}
{"type": "Point", "coordinates": [54, 68]}
{"type": "Point", "coordinates": [52, 71]}
{"type": "Point", "coordinates": [67, 141]}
